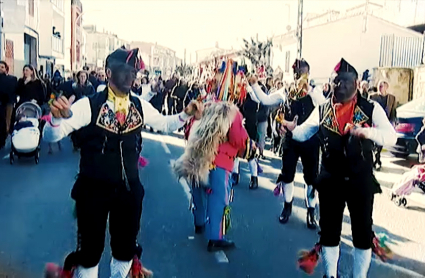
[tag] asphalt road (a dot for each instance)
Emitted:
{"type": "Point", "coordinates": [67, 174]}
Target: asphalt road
{"type": "Point", "coordinates": [37, 224]}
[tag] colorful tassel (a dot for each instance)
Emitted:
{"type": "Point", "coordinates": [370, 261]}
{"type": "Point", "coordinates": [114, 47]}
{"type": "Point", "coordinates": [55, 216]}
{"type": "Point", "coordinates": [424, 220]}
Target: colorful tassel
{"type": "Point", "coordinates": [55, 271]}
{"type": "Point", "coordinates": [226, 221]}
{"type": "Point", "coordinates": [143, 162]}
{"type": "Point", "coordinates": [138, 271]}
{"type": "Point", "coordinates": [380, 248]}
{"type": "Point", "coordinates": [308, 260]}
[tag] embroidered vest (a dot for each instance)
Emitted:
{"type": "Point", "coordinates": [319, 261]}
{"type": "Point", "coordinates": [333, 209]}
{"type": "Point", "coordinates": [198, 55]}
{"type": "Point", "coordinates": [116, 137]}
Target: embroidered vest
{"type": "Point", "coordinates": [110, 151]}
{"type": "Point", "coordinates": [346, 155]}
{"type": "Point", "coordinates": [301, 107]}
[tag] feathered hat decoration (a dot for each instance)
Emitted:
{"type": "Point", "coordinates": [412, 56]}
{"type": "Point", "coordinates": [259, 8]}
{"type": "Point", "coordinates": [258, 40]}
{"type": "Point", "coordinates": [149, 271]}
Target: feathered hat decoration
{"type": "Point", "coordinates": [231, 86]}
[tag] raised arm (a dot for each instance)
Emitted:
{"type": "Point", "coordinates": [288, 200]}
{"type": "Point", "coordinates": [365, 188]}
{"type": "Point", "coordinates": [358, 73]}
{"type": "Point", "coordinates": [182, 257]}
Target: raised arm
{"type": "Point", "coordinates": [58, 128]}
{"type": "Point", "coordinates": [172, 123]}
{"type": "Point", "coordinates": [276, 98]}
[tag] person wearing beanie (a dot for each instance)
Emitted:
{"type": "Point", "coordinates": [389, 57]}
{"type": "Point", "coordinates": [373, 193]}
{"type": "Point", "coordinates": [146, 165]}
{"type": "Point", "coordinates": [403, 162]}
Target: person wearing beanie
{"type": "Point", "coordinates": [299, 104]}
{"type": "Point", "coordinates": [108, 125]}
{"type": "Point", "coordinates": [347, 125]}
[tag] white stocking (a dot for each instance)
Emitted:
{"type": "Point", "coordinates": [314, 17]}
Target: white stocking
{"type": "Point", "coordinates": [120, 269]}
{"type": "Point", "coordinates": [91, 272]}
{"type": "Point", "coordinates": [288, 191]}
{"type": "Point", "coordinates": [362, 260]}
{"type": "Point", "coordinates": [330, 260]}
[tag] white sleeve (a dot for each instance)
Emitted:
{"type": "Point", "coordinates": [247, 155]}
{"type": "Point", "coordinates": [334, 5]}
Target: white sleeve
{"type": "Point", "coordinates": [81, 117]}
{"type": "Point", "coordinates": [277, 97]}
{"type": "Point", "coordinates": [160, 122]}
{"type": "Point", "coordinates": [147, 93]}
{"type": "Point", "coordinates": [307, 129]}
{"type": "Point", "coordinates": [382, 132]}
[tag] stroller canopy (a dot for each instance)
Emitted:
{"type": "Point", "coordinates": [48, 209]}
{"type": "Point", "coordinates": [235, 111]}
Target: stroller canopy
{"type": "Point", "coordinates": [29, 110]}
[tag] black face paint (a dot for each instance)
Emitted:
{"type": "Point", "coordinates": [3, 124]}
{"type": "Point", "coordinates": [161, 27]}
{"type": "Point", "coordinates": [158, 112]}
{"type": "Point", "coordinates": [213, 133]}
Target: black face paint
{"type": "Point", "coordinates": [345, 87]}
{"type": "Point", "coordinates": [122, 76]}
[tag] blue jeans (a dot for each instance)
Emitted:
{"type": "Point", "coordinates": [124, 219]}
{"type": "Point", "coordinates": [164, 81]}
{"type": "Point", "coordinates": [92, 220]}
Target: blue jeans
{"type": "Point", "coordinates": [209, 203]}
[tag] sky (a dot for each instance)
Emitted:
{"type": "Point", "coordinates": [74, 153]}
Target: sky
{"type": "Point", "coordinates": [199, 24]}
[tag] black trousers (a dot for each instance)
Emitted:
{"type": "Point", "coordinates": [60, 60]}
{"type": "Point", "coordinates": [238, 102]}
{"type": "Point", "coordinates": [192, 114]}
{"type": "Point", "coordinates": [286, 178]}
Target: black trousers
{"type": "Point", "coordinates": [95, 201]}
{"type": "Point", "coordinates": [309, 153]}
{"type": "Point", "coordinates": [3, 126]}
{"type": "Point", "coordinates": [334, 195]}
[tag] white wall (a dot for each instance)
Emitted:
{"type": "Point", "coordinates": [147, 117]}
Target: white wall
{"type": "Point", "coordinates": [325, 45]}
{"type": "Point", "coordinates": [18, 48]}
{"type": "Point", "coordinates": [45, 28]}
{"type": "Point", "coordinates": [66, 61]}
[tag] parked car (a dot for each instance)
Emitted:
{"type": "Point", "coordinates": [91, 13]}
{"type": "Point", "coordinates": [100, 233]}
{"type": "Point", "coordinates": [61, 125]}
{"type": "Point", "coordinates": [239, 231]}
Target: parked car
{"type": "Point", "coordinates": [409, 123]}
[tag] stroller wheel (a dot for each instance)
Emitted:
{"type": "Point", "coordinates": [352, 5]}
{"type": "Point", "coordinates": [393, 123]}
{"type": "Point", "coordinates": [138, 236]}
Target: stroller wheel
{"type": "Point", "coordinates": [11, 158]}
{"type": "Point", "coordinates": [404, 202]}
{"type": "Point", "coordinates": [398, 202]}
{"type": "Point", "coordinates": [37, 159]}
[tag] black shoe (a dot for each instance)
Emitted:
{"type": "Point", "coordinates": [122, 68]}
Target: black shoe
{"type": "Point", "coordinates": [311, 220]}
{"type": "Point", "coordinates": [286, 213]}
{"type": "Point", "coordinates": [235, 178]}
{"type": "Point", "coordinates": [215, 245]}
{"type": "Point", "coordinates": [327, 277]}
{"type": "Point", "coordinates": [254, 183]}
{"type": "Point", "coordinates": [199, 229]}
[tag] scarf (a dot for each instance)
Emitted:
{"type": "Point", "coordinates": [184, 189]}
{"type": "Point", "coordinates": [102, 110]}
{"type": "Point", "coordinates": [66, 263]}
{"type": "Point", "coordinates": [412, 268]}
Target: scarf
{"type": "Point", "coordinates": [344, 113]}
{"type": "Point", "coordinates": [120, 105]}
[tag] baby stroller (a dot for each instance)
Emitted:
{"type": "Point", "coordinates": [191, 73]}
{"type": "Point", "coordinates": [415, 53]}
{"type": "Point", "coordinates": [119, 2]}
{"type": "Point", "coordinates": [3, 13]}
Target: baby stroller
{"type": "Point", "coordinates": [412, 182]}
{"type": "Point", "coordinates": [26, 132]}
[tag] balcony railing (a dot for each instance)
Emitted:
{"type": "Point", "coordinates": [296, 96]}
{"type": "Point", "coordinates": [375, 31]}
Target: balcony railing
{"type": "Point", "coordinates": [57, 44]}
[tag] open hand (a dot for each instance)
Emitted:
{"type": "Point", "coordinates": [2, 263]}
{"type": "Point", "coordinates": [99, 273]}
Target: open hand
{"type": "Point", "coordinates": [195, 108]}
{"type": "Point", "coordinates": [289, 125]}
{"type": "Point", "coordinates": [61, 107]}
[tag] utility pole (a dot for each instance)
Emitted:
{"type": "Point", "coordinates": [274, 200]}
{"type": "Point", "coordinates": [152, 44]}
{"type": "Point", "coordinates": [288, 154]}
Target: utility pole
{"type": "Point", "coordinates": [300, 28]}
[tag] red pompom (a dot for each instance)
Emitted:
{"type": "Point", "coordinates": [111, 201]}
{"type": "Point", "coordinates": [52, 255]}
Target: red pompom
{"type": "Point", "coordinates": [308, 260]}
{"type": "Point", "coordinates": [143, 162]}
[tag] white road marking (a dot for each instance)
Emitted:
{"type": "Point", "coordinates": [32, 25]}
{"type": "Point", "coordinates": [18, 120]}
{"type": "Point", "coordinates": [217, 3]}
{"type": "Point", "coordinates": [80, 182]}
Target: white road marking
{"type": "Point", "coordinates": [191, 237]}
{"type": "Point", "coordinates": [164, 145]}
{"type": "Point", "coordinates": [221, 257]}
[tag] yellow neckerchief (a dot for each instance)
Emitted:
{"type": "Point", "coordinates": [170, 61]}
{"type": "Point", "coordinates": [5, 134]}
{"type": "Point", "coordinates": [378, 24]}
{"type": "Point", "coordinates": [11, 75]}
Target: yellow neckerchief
{"type": "Point", "coordinates": [121, 104]}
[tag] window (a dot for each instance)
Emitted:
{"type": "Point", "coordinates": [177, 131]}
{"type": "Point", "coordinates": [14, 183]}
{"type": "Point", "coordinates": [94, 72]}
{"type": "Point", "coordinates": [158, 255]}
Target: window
{"type": "Point", "coordinates": [31, 7]}
{"type": "Point", "coordinates": [287, 61]}
{"type": "Point", "coordinates": [57, 44]}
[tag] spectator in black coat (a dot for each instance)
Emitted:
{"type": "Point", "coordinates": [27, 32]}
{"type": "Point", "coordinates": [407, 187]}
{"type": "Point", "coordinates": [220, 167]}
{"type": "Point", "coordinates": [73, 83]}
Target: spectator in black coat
{"type": "Point", "coordinates": [8, 85]}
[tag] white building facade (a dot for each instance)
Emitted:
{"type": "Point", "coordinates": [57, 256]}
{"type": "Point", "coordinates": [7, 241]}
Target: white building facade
{"type": "Point", "coordinates": [356, 38]}
{"type": "Point", "coordinates": [52, 34]}
{"type": "Point", "coordinates": [21, 23]}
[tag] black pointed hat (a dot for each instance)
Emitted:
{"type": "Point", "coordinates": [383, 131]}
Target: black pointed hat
{"type": "Point", "coordinates": [298, 64]}
{"type": "Point", "coordinates": [124, 56]}
{"type": "Point", "coordinates": [344, 67]}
